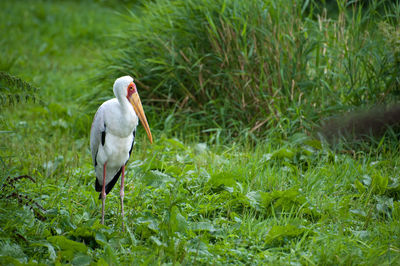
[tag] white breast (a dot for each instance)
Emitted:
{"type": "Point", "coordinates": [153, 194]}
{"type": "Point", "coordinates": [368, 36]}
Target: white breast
{"type": "Point", "coordinates": [119, 126]}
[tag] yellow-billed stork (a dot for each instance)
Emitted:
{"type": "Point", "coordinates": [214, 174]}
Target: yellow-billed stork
{"type": "Point", "coordinates": [112, 137]}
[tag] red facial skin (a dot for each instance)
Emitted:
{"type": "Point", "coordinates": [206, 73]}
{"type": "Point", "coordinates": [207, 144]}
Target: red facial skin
{"type": "Point", "coordinates": [131, 90]}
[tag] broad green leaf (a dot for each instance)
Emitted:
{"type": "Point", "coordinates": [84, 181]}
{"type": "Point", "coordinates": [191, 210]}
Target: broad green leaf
{"type": "Point", "coordinates": [394, 187]}
{"type": "Point", "coordinates": [363, 234]}
{"type": "Point", "coordinates": [157, 178]}
{"type": "Point", "coordinates": [157, 241]}
{"type": "Point", "coordinates": [176, 144]}
{"type": "Point", "coordinates": [101, 262]}
{"type": "Point", "coordinates": [197, 246]}
{"type": "Point", "coordinates": [200, 148]}
{"type": "Point", "coordinates": [222, 178]}
{"type": "Point", "coordinates": [284, 153]}
{"type": "Point", "coordinates": [202, 226]}
{"type": "Point", "coordinates": [82, 232]}
{"type": "Point", "coordinates": [287, 200]}
{"type": "Point", "coordinates": [149, 222]}
{"type": "Point", "coordinates": [81, 259]}
{"type": "Point", "coordinates": [282, 198]}
{"type": "Point", "coordinates": [316, 144]}
{"type": "Point", "coordinates": [12, 251]}
{"type": "Point", "coordinates": [66, 244]}
{"type": "Point", "coordinates": [384, 205]}
{"type": "Point", "coordinates": [177, 221]}
{"type": "Point", "coordinates": [50, 248]}
{"type": "Point", "coordinates": [299, 138]}
{"type": "Point", "coordinates": [280, 233]}
{"type": "Point", "coordinates": [109, 255]}
{"type": "Point", "coordinates": [360, 187]}
{"type": "Point", "coordinates": [379, 183]}
{"type": "Point", "coordinates": [396, 210]}
{"type": "Point", "coordinates": [254, 198]}
{"type": "Point", "coordinates": [101, 238]}
{"type": "Point", "coordinates": [9, 260]}
{"type": "Point", "coordinates": [366, 180]}
{"type": "Point", "coordinates": [360, 212]}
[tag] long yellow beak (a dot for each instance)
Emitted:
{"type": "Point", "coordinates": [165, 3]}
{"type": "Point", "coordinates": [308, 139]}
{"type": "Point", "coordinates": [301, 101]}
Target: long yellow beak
{"type": "Point", "coordinates": [134, 99]}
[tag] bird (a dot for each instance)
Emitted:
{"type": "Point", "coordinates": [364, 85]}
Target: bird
{"type": "Point", "coordinates": [112, 137]}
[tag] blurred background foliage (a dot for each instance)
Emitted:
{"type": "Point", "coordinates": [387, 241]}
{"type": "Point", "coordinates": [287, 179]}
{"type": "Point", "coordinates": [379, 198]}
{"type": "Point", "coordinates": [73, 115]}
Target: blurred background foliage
{"type": "Point", "coordinates": [248, 67]}
{"type": "Point", "coordinates": [237, 69]}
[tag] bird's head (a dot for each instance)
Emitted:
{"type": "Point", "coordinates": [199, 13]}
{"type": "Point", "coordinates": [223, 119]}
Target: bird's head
{"type": "Point", "coordinates": [125, 87]}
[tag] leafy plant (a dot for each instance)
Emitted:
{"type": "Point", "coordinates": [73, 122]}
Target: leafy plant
{"type": "Point", "coordinates": [14, 90]}
{"type": "Point", "coordinates": [10, 192]}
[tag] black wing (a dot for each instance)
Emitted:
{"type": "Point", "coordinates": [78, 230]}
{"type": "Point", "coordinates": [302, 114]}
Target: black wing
{"type": "Point", "coordinates": [96, 133]}
{"type": "Point", "coordinates": [110, 184]}
{"type": "Point", "coordinates": [133, 142]}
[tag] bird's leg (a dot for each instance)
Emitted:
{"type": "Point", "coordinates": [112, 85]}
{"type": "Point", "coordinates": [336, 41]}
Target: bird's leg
{"type": "Point", "coordinates": [122, 194]}
{"type": "Point", "coordinates": [103, 193]}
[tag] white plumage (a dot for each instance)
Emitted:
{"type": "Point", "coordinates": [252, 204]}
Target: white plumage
{"type": "Point", "coordinates": [118, 126]}
{"type": "Point", "coordinates": [112, 136]}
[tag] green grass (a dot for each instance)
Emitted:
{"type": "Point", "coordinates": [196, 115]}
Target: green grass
{"type": "Point", "coordinates": [188, 203]}
{"type": "Point", "coordinates": [189, 199]}
{"type": "Point", "coordinates": [250, 66]}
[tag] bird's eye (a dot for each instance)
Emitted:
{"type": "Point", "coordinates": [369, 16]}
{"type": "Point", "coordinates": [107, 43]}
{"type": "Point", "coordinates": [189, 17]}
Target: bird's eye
{"type": "Point", "coordinates": [131, 88]}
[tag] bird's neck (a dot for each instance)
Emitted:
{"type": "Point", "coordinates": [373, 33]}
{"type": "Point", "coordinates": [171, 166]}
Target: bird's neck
{"type": "Point", "coordinates": [125, 105]}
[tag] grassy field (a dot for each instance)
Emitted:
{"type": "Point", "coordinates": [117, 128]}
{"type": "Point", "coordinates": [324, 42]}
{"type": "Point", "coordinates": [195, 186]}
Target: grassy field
{"type": "Point", "coordinates": [265, 191]}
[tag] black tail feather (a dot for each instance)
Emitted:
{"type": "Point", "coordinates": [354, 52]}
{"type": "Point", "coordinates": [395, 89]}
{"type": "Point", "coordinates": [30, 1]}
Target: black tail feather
{"type": "Point", "coordinates": [110, 185]}
{"type": "Point", "coordinates": [98, 186]}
